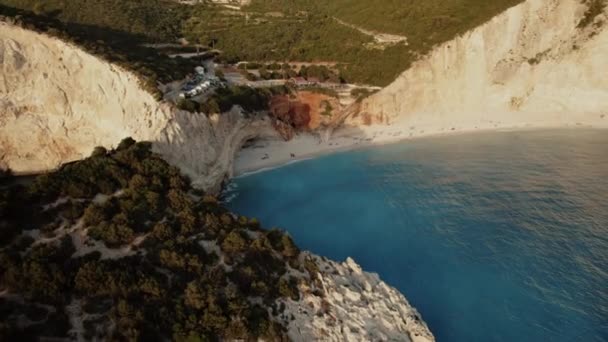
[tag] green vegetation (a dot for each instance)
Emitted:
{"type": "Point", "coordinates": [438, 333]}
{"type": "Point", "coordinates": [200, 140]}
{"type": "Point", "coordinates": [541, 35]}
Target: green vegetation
{"type": "Point", "coordinates": [327, 108]}
{"type": "Point", "coordinates": [250, 99]}
{"type": "Point", "coordinates": [320, 72]}
{"type": "Point", "coordinates": [324, 91]}
{"type": "Point", "coordinates": [104, 33]}
{"type": "Point", "coordinates": [276, 71]}
{"type": "Point", "coordinates": [158, 20]}
{"type": "Point", "coordinates": [179, 267]}
{"type": "Point", "coordinates": [307, 38]}
{"type": "Point", "coordinates": [362, 93]}
{"type": "Point", "coordinates": [268, 30]}
{"type": "Point", "coordinates": [422, 22]}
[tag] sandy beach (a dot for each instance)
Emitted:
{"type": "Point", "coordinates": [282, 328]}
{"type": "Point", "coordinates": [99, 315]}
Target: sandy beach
{"type": "Point", "coordinates": [270, 153]}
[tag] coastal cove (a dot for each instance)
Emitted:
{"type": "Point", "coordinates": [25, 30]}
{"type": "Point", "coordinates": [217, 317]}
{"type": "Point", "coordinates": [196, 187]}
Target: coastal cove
{"type": "Point", "coordinates": [267, 153]}
{"type": "Point", "coordinates": [278, 170]}
{"type": "Point", "coordinates": [493, 236]}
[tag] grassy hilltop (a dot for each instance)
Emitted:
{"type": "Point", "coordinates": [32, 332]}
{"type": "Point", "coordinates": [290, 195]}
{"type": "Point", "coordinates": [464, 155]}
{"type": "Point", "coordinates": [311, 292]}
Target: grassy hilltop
{"type": "Point", "coordinates": [280, 30]}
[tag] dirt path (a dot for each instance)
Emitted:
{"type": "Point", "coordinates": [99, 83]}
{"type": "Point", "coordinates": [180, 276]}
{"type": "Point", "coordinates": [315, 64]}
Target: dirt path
{"type": "Point", "coordinates": [379, 37]}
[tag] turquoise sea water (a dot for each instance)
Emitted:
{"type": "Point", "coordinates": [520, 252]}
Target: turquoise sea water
{"type": "Point", "coordinates": [492, 236]}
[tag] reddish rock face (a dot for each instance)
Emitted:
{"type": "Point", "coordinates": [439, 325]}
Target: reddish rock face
{"type": "Point", "coordinates": [293, 113]}
{"type": "Point", "coordinates": [279, 107]}
{"type": "Point", "coordinates": [300, 115]}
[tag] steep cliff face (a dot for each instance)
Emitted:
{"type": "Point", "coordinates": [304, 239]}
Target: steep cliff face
{"type": "Point", "coordinates": [57, 103]}
{"type": "Point", "coordinates": [533, 65]}
{"type": "Point", "coordinates": [356, 306]}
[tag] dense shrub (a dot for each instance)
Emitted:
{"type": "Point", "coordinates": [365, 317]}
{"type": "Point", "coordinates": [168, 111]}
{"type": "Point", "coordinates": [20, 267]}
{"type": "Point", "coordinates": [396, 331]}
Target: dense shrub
{"type": "Point", "coordinates": [167, 256]}
{"type": "Point", "coordinates": [307, 31]}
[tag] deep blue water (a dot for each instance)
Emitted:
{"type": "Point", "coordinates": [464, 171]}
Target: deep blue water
{"type": "Point", "coordinates": [492, 236]}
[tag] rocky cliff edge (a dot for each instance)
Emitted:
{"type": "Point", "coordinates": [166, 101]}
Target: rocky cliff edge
{"type": "Point", "coordinates": [57, 103]}
{"type": "Point", "coordinates": [539, 64]}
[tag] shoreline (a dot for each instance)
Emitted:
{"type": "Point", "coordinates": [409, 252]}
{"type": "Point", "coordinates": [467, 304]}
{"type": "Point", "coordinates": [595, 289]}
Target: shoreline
{"type": "Point", "coordinates": [268, 154]}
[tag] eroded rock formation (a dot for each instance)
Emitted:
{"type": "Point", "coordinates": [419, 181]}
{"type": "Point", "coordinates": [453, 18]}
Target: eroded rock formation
{"type": "Point", "coordinates": [536, 65]}
{"type": "Point", "coordinates": [57, 103]}
{"type": "Point", "coordinates": [356, 306]}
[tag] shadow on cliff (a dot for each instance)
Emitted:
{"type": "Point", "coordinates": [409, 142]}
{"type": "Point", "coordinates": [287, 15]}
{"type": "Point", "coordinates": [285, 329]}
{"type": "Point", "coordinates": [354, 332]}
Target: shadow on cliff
{"type": "Point", "coordinates": [207, 150]}
{"type": "Point", "coordinates": [116, 46]}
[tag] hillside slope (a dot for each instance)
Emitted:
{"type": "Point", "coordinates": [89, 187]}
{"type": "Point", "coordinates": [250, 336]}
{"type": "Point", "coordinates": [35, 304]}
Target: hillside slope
{"type": "Point", "coordinates": [539, 64]}
{"type": "Point", "coordinates": [118, 246]}
{"type": "Point", "coordinates": [364, 38]}
{"type": "Point", "coordinates": [57, 103]}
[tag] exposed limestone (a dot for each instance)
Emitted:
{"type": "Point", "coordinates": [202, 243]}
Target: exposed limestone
{"type": "Point", "coordinates": [57, 103]}
{"type": "Point", "coordinates": [528, 67]}
{"type": "Point", "coordinates": [354, 306]}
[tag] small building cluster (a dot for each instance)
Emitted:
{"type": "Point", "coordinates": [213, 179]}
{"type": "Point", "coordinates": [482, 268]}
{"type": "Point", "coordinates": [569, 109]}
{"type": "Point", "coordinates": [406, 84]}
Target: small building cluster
{"type": "Point", "coordinates": [199, 84]}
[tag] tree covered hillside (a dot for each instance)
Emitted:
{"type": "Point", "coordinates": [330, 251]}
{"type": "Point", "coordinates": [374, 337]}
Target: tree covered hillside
{"type": "Point", "coordinates": [113, 43]}
{"type": "Point", "coordinates": [282, 30]}
{"type": "Point", "coordinates": [412, 18]}
{"type": "Point", "coordinates": [424, 23]}
{"type": "Point", "coordinates": [153, 19]}
{"type": "Point", "coordinates": [119, 247]}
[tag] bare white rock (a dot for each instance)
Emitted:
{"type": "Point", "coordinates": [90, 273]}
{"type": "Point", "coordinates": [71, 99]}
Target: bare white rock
{"type": "Point", "coordinates": [353, 306]}
{"type": "Point", "coordinates": [531, 66]}
{"type": "Point", "coordinates": [58, 102]}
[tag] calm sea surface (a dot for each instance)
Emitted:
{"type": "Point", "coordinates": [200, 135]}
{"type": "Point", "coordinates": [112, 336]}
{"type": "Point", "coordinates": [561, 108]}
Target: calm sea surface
{"type": "Point", "coordinates": [492, 236]}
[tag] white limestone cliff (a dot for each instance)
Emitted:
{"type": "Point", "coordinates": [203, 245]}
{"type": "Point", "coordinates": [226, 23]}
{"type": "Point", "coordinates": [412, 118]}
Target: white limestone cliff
{"type": "Point", "coordinates": [354, 306]}
{"type": "Point", "coordinates": [531, 66]}
{"type": "Point", "coordinates": [58, 102]}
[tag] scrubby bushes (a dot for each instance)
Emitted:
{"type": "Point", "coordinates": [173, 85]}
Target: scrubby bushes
{"type": "Point", "coordinates": [250, 99]}
{"type": "Point", "coordinates": [320, 72]}
{"type": "Point", "coordinates": [361, 93]}
{"type": "Point", "coordinates": [189, 275]}
{"type": "Point", "coordinates": [306, 32]}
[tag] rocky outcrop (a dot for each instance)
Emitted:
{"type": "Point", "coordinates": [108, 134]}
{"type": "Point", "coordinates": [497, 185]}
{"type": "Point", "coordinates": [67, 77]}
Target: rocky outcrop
{"type": "Point", "coordinates": [354, 306]}
{"type": "Point", "coordinates": [57, 103]}
{"type": "Point", "coordinates": [306, 111]}
{"type": "Point", "coordinates": [535, 65]}
{"type": "Point", "coordinates": [294, 113]}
